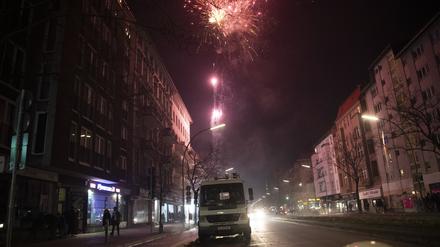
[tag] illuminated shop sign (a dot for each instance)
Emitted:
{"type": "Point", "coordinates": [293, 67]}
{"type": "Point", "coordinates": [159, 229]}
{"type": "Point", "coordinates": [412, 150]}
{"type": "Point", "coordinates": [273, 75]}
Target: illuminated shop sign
{"type": "Point", "coordinates": [103, 187]}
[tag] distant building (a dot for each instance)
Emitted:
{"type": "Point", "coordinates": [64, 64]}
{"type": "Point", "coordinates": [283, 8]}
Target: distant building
{"type": "Point", "coordinates": [296, 186]}
{"type": "Point", "coordinates": [325, 173]}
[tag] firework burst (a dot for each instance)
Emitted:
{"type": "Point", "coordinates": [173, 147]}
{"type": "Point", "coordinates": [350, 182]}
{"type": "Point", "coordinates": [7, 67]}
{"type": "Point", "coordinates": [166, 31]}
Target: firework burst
{"type": "Point", "coordinates": [231, 26]}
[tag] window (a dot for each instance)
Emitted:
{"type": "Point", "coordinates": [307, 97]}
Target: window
{"type": "Point", "coordinates": [370, 146]}
{"type": "Point", "coordinates": [99, 151]}
{"type": "Point", "coordinates": [12, 67]}
{"type": "Point", "coordinates": [373, 92]}
{"type": "Point", "coordinates": [51, 30]}
{"type": "Point", "coordinates": [73, 140]}
{"type": "Point", "coordinates": [6, 115]}
{"type": "Point", "coordinates": [108, 154]}
{"type": "Point", "coordinates": [322, 186]}
{"type": "Point", "coordinates": [378, 107]}
{"type": "Point", "coordinates": [44, 88]}
{"type": "Point", "coordinates": [374, 169]}
{"type": "Point", "coordinates": [123, 163]}
{"type": "Point", "coordinates": [124, 133]}
{"type": "Point", "coordinates": [125, 110]}
{"type": "Point", "coordinates": [85, 145]}
{"type": "Point", "coordinates": [39, 133]}
{"type": "Point", "coordinates": [87, 100]}
{"type": "Point", "coordinates": [321, 172]}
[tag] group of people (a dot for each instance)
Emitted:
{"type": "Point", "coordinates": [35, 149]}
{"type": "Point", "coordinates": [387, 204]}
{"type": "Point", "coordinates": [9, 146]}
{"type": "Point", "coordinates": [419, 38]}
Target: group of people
{"type": "Point", "coordinates": [113, 219]}
{"type": "Point", "coordinates": [429, 203]}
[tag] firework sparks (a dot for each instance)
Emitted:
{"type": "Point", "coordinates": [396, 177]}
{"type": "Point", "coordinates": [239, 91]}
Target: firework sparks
{"type": "Point", "coordinates": [228, 24]}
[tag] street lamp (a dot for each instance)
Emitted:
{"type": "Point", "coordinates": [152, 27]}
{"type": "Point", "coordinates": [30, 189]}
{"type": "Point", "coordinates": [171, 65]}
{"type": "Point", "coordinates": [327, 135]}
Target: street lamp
{"type": "Point", "coordinates": [229, 169]}
{"type": "Point", "coordinates": [306, 166]}
{"type": "Point", "coordinates": [300, 184]}
{"type": "Point", "coordinates": [286, 180]}
{"type": "Point", "coordinates": [373, 118]}
{"type": "Point", "coordinates": [192, 138]}
{"type": "Point", "coordinates": [370, 117]}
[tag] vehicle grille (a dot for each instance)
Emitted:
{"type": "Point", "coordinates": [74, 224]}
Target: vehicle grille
{"type": "Point", "coordinates": [222, 218]}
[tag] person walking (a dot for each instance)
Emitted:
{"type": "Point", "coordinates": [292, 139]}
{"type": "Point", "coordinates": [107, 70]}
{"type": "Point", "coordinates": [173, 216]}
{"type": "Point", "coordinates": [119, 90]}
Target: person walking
{"type": "Point", "coordinates": [106, 218]}
{"type": "Point", "coordinates": [116, 219]}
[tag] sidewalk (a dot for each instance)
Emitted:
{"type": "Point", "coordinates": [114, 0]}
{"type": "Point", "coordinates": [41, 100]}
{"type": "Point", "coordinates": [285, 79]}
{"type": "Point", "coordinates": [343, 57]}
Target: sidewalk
{"type": "Point", "coordinates": [411, 227]}
{"type": "Point", "coordinates": [129, 237]}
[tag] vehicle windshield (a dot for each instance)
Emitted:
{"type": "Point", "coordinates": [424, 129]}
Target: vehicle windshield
{"type": "Point", "coordinates": [221, 194]}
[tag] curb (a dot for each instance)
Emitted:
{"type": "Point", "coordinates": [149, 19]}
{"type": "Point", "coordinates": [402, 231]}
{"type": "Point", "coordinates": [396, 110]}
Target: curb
{"type": "Point", "coordinates": [161, 236]}
{"type": "Point", "coordinates": [145, 241]}
{"type": "Point", "coordinates": [413, 237]}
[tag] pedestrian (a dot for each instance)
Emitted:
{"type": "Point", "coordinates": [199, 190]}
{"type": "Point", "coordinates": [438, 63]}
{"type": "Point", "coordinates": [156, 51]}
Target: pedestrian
{"type": "Point", "coordinates": [61, 225]}
{"type": "Point", "coordinates": [437, 200]}
{"type": "Point", "coordinates": [106, 218]}
{"type": "Point", "coordinates": [116, 219]}
{"type": "Point", "coordinates": [71, 220]}
{"type": "Point", "coordinates": [380, 206]}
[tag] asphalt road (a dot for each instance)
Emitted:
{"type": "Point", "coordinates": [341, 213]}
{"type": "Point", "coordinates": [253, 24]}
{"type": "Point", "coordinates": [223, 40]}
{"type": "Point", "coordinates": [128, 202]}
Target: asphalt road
{"type": "Point", "coordinates": [275, 231]}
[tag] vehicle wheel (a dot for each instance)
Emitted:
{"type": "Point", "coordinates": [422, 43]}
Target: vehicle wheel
{"type": "Point", "coordinates": [247, 236]}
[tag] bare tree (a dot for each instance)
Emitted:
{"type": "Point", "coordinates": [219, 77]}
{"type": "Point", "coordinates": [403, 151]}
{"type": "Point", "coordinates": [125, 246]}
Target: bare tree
{"type": "Point", "coordinates": [350, 159]}
{"type": "Point", "coordinates": [197, 170]}
{"type": "Point", "coordinates": [419, 124]}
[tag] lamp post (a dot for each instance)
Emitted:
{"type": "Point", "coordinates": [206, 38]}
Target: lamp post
{"type": "Point", "coordinates": [192, 138]}
{"type": "Point", "coordinates": [229, 169]}
{"type": "Point", "coordinates": [381, 136]}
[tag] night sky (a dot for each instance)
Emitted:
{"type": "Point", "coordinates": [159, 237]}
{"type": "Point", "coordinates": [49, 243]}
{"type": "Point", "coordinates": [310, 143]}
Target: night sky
{"type": "Point", "coordinates": [315, 53]}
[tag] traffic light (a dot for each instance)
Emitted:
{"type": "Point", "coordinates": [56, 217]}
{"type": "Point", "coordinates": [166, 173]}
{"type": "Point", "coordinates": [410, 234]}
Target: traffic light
{"type": "Point", "coordinates": [188, 194]}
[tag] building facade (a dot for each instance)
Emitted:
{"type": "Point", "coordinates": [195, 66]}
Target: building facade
{"type": "Point", "coordinates": [326, 175]}
{"type": "Point", "coordinates": [101, 132]}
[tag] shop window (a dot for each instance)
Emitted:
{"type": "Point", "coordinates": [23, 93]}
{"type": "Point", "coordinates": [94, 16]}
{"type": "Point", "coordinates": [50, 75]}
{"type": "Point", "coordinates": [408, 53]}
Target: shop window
{"type": "Point", "coordinates": [39, 133]}
{"type": "Point", "coordinates": [99, 201]}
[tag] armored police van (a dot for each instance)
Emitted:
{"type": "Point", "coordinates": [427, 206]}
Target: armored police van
{"type": "Point", "coordinates": [223, 209]}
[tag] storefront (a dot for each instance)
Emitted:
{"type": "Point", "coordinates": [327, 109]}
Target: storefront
{"type": "Point", "coordinates": [103, 196]}
{"type": "Point", "coordinates": [141, 207]}
{"type": "Point", "coordinates": [370, 199]}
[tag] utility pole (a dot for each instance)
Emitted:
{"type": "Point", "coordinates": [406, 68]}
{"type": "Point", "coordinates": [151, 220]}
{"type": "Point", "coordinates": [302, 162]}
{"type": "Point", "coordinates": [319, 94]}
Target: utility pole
{"type": "Point", "coordinates": [16, 162]}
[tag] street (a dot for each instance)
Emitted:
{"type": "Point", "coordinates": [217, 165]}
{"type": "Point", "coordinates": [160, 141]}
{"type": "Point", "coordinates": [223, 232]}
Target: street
{"type": "Point", "coordinates": [277, 231]}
